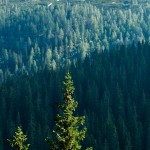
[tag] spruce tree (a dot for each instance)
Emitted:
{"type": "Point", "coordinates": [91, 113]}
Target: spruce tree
{"type": "Point", "coordinates": [69, 131]}
{"type": "Point", "coordinates": [18, 140]}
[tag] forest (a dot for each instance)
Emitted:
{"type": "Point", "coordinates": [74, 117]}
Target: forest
{"type": "Point", "coordinates": [112, 89]}
{"type": "Point", "coordinates": [107, 52]}
{"type": "Point", "coordinates": [34, 37]}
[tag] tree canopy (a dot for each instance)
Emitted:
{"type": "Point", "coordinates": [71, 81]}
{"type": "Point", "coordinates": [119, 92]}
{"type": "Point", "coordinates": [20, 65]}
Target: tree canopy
{"type": "Point", "coordinates": [68, 132]}
{"type": "Point", "coordinates": [18, 140]}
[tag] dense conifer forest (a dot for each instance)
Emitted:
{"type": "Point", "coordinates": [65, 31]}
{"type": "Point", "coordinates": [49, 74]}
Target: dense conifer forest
{"type": "Point", "coordinates": [107, 51]}
{"type": "Point", "coordinates": [34, 37]}
{"type": "Point", "coordinates": [112, 89]}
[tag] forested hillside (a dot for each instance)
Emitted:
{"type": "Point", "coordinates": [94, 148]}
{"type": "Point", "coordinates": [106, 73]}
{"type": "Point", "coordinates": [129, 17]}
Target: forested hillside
{"type": "Point", "coordinates": [34, 37]}
{"type": "Point", "coordinates": [113, 92]}
{"type": "Point", "coordinates": [107, 50]}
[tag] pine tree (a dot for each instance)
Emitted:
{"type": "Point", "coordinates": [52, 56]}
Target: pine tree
{"type": "Point", "coordinates": [18, 140]}
{"type": "Point", "coordinates": [68, 135]}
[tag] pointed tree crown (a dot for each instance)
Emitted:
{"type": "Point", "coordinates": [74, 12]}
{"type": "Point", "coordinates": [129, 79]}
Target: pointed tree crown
{"type": "Point", "coordinates": [69, 131]}
{"type": "Point", "coordinates": [18, 140]}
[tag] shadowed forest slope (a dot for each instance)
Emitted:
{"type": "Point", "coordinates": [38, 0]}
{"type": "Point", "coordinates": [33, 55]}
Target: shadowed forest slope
{"type": "Point", "coordinates": [112, 89]}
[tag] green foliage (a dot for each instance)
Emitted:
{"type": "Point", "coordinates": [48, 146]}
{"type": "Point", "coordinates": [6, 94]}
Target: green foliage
{"type": "Point", "coordinates": [18, 140]}
{"type": "Point", "coordinates": [113, 91]}
{"type": "Point", "coordinates": [67, 132]}
{"type": "Point", "coordinates": [35, 37]}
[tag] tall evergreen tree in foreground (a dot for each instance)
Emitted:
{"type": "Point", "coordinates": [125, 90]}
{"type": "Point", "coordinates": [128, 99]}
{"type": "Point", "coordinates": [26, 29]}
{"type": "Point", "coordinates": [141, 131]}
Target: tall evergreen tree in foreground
{"type": "Point", "coordinates": [68, 132]}
{"type": "Point", "coordinates": [18, 140]}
